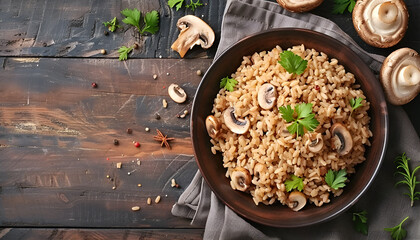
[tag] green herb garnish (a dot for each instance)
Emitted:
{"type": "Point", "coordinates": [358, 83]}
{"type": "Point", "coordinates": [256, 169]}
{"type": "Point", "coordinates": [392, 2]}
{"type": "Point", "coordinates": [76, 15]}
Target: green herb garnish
{"type": "Point", "coordinates": [398, 232]}
{"type": "Point", "coordinates": [294, 183]}
{"type": "Point", "coordinates": [178, 3]}
{"type": "Point", "coordinates": [124, 51]}
{"type": "Point", "coordinates": [336, 179]}
{"type": "Point", "coordinates": [409, 178]}
{"type": "Point", "coordinates": [292, 63]}
{"type": "Point", "coordinates": [193, 5]}
{"type": "Point", "coordinates": [112, 25]}
{"type": "Point", "coordinates": [355, 103]}
{"type": "Point", "coordinates": [341, 5]}
{"type": "Point", "coordinates": [228, 83]}
{"type": "Point", "coordinates": [360, 222]}
{"type": "Point", "coordinates": [305, 118]}
{"type": "Point", "coordinates": [151, 20]}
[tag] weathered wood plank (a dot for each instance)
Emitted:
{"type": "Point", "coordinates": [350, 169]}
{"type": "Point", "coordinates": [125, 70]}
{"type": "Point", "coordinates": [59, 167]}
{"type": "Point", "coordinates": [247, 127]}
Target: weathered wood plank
{"type": "Point", "coordinates": [92, 234]}
{"type": "Point", "coordinates": [56, 133]}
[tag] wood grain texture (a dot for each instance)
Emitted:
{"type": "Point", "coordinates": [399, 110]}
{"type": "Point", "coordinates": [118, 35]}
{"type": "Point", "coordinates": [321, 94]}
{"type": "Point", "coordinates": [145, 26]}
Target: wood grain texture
{"type": "Point", "coordinates": [56, 133]}
{"type": "Point", "coordinates": [96, 234]}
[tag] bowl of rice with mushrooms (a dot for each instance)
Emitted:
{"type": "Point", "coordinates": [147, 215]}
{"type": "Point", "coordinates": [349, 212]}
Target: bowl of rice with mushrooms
{"type": "Point", "coordinates": [288, 130]}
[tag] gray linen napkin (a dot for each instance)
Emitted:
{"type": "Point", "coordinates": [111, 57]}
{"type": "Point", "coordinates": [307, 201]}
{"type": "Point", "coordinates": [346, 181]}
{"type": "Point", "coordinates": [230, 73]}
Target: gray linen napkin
{"type": "Point", "coordinates": [386, 204]}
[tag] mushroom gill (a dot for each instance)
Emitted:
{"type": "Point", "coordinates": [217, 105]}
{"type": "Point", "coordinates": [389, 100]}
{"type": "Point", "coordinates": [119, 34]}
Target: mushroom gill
{"type": "Point", "coordinates": [236, 125]}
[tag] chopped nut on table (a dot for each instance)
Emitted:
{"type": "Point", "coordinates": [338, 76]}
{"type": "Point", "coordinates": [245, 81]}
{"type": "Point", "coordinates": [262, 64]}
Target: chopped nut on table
{"type": "Point", "coordinates": [157, 200]}
{"type": "Point", "coordinates": [135, 208]}
{"type": "Point", "coordinates": [149, 201]}
{"type": "Point", "coordinates": [119, 165]}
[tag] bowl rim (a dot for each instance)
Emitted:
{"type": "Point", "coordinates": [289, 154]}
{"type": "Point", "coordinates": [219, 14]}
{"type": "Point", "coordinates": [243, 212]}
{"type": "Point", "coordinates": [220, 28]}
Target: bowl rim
{"type": "Point", "coordinates": [385, 127]}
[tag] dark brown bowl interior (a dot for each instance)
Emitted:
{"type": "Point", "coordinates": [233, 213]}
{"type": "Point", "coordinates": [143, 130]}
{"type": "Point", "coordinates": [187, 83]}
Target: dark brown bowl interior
{"type": "Point", "coordinates": [211, 165]}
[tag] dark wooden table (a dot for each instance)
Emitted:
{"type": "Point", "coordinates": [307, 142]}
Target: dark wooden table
{"type": "Point", "coordinates": [57, 132]}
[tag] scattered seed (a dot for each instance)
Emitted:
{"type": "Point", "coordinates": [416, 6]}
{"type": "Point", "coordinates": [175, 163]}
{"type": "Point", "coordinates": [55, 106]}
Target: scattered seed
{"type": "Point", "coordinates": [116, 142]}
{"type": "Point", "coordinates": [107, 159]}
{"type": "Point", "coordinates": [167, 74]}
{"type": "Point", "coordinates": [155, 76]}
{"type": "Point", "coordinates": [178, 116]}
{"type": "Point", "coordinates": [164, 103]}
{"type": "Point", "coordinates": [103, 51]}
{"type": "Point", "coordinates": [160, 56]}
{"type": "Point", "coordinates": [135, 208]}
{"type": "Point", "coordinates": [202, 15]}
{"type": "Point", "coordinates": [135, 46]}
{"type": "Point", "coordinates": [138, 162]}
{"type": "Point", "coordinates": [157, 200]}
{"type": "Point", "coordinates": [111, 179]}
{"type": "Point", "coordinates": [173, 183]}
{"type": "Point", "coordinates": [129, 130]}
{"type": "Point", "coordinates": [113, 188]}
{"type": "Point", "coordinates": [119, 165]}
{"type": "Point", "coordinates": [139, 185]}
{"type": "Point", "coordinates": [137, 144]}
{"type": "Point", "coordinates": [157, 116]}
{"type": "Point", "coordinates": [94, 85]}
{"type": "Point", "coordinates": [147, 129]}
{"type": "Point", "coordinates": [177, 185]}
{"type": "Point", "coordinates": [183, 115]}
{"type": "Point", "coordinates": [186, 112]}
{"type": "Point", "coordinates": [129, 173]}
{"type": "Point", "coordinates": [198, 72]}
{"type": "Point", "coordinates": [106, 33]}
{"type": "Point", "coordinates": [107, 176]}
{"type": "Point", "coordinates": [149, 201]}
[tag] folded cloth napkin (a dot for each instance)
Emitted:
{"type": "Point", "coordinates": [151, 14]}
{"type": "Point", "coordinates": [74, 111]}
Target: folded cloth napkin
{"type": "Point", "coordinates": [386, 204]}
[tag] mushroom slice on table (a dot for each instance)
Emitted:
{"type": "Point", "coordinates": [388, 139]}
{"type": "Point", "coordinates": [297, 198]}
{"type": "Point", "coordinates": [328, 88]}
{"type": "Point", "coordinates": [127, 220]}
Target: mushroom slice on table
{"type": "Point", "coordinates": [341, 139]}
{"type": "Point", "coordinates": [241, 179]}
{"type": "Point", "coordinates": [193, 31]}
{"type": "Point", "coordinates": [267, 95]}
{"type": "Point", "coordinates": [296, 200]}
{"type": "Point", "coordinates": [380, 23]}
{"type": "Point", "coordinates": [315, 142]}
{"type": "Point", "coordinates": [177, 93]}
{"type": "Point", "coordinates": [299, 5]}
{"type": "Point", "coordinates": [212, 126]}
{"type": "Point", "coordinates": [236, 125]}
{"type": "Point", "coordinates": [400, 76]}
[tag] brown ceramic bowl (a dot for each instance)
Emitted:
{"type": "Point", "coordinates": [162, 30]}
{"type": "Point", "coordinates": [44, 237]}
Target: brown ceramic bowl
{"type": "Point", "coordinates": [211, 167]}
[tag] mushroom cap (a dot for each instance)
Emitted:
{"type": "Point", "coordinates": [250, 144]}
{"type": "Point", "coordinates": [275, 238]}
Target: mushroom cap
{"type": "Point", "coordinates": [339, 131]}
{"type": "Point", "coordinates": [241, 179]}
{"type": "Point", "coordinates": [400, 76]}
{"type": "Point", "coordinates": [267, 95]}
{"type": "Point", "coordinates": [299, 5]}
{"type": "Point", "coordinates": [315, 142]}
{"type": "Point", "coordinates": [296, 200]}
{"type": "Point", "coordinates": [236, 125]}
{"type": "Point", "coordinates": [212, 126]}
{"type": "Point", "coordinates": [177, 93]}
{"type": "Point", "coordinates": [380, 23]}
{"type": "Point", "coordinates": [193, 31]}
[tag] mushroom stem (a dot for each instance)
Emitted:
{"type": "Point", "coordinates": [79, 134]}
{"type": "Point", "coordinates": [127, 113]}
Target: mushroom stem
{"type": "Point", "coordinates": [387, 12]}
{"type": "Point", "coordinates": [409, 76]}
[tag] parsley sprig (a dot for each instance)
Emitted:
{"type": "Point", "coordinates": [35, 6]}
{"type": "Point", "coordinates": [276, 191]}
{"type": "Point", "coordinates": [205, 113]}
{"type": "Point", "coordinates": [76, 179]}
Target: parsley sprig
{"type": "Point", "coordinates": [228, 83]}
{"type": "Point", "coordinates": [336, 179]}
{"type": "Point", "coordinates": [360, 222]}
{"type": "Point", "coordinates": [151, 20]}
{"type": "Point", "coordinates": [124, 51]}
{"type": "Point", "coordinates": [292, 63]}
{"type": "Point", "coordinates": [305, 118]}
{"type": "Point", "coordinates": [341, 5]}
{"type": "Point", "coordinates": [112, 24]}
{"type": "Point", "coordinates": [294, 183]}
{"type": "Point", "coordinates": [409, 177]}
{"type": "Point", "coordinates": [397, 232]}
{"type": "Point", "coordinates": [355, 103]}
{"type": "Point", "coordinates": [178, 3]}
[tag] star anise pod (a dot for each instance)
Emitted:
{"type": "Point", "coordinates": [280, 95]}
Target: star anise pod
{"type": "Point", "coordinates": [163, 139]}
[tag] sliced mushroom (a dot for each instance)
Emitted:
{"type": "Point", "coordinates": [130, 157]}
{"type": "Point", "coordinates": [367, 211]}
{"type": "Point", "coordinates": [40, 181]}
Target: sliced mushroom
{"type": "Point", "coordinates": [212, 126]}
{"type": "Point", "coordinates": [267, 95]}
{"type": "Point", "coordinates": [296, 200]}
{"type": "Point", "coordinates": [380, 23]}
{"type": "Point", "coordinates": [193, 31]}
{"type": "Point", "coordinates": [259, 171]}
{"type": "Point", "coordinates": [241, 179]}
{"type": "Point", "coordinates": [299, 5]}
{"type": "Point", "coordinates": [236, 125]}
{"type": "Point", "coordinates": [342, 140]}
{"type": "Point", "coordinates": [400, 76]}
{"type": "Point", "coordinates": [177, 93]}
{"type": "Point", "coordinates": [315, 142]}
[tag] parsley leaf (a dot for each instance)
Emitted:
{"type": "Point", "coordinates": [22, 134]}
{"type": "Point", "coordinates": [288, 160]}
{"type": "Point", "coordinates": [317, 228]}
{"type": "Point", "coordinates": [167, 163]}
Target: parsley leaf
{"type": "Point", "coordinates": [112, 25]}
{"type": "Point", "coordinates": [193, 5]}
{"type": "Point", "coordinates": [397, 232]}
{"type": "Point", "coordinates": [132, 17]}
{"type": "Point", "coordinates": [336, 179]}
{"type": "Point", "coordinates": [124, 51]}
{"type": "Point", "coordinates": [228, 83]}
{"type": "Point", "coordinates": [355, 103]}
{"type": "Point", "coordinates": [151, 22]}
{"type": "Point", "coordinates": [360, 222]}
{"type": "Point", "coordinates": [292, 63]}
{"type": "Point", "coordinates": [341, 5]}
{"type": "Point", "coordinates": [409, 177]}
{"type": "Point", "coordinates": [305, 118]}
{"type": "Point", "coordinates": [178, 3]}
{"type": "Point", "coordinates": [294, 183]}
